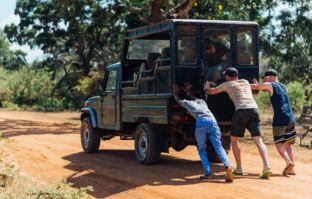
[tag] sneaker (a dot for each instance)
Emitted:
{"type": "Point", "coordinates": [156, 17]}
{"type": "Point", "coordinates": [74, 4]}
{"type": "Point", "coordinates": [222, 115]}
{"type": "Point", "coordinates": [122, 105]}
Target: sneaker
{"type": "Point", "coordinates": [288, 169]}
{"type": "Point", "coordinates": [265, 174]}
{"type": "Point", "coordinates": [229, 175]}
{"type": "Point", "coordinates": [237, 173]}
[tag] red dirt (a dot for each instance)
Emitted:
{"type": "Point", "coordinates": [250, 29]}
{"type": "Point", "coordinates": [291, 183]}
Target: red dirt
{"type": "Point", "coordinates": [48, 147]}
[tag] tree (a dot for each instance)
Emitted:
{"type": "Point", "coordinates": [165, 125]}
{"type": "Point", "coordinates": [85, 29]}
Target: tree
{"type": "Point", "coordinates": [289, 45]}
{"type": "Point", "coordinates": [82, 27]}
{"type": "Point", "coordinates": [10, 59]}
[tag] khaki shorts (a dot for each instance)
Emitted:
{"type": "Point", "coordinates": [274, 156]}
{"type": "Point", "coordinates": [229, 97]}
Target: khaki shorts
{"type": "Point", "coordinates": [282, 134]}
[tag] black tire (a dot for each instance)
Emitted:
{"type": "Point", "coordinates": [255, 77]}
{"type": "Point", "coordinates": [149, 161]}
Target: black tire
{"type": "Point", "coordinates": [179, 147]}
{"type": "Point", "coordinates": [178, 142]}
{"type": "Point", "coordinates": [145, 144]}
{"type": "Point", "coordinates": [90, 138]}
{"type": "Point", "coordinates": [211, 153]}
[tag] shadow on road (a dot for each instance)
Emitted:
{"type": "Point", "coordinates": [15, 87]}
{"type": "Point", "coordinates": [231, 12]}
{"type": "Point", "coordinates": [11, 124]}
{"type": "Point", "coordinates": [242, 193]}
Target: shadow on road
{"type": "Point", "coordinates": [115, 171]}
{"type": "Point", "coordinates": [13, 128]}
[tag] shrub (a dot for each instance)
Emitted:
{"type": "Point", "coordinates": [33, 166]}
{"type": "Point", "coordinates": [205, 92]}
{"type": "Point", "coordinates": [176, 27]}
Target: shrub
{"type": "Point", "coordinates": [296, 95]}
{"type": "Point", "coordinates": [10, 105]}
{"type": "Point", "coordinates": [49, 104]}
{"type": "Point", "coordinates": [263, 100]}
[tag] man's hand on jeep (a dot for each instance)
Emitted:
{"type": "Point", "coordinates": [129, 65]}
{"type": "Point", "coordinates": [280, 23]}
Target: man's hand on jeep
{"type": "Point", "coordinates": [207, 86]}
{"type": "Point", "coordinates": [175, 90]}
{"type": "Point", "coordinates": [255, 81]}
{"type": "Point", "coordinates": [187, 87]}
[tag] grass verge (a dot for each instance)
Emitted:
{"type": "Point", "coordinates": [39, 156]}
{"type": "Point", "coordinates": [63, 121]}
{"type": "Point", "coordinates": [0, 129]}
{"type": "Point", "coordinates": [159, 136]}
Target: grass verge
{"type": "Point", "coordinates": [16, 184]}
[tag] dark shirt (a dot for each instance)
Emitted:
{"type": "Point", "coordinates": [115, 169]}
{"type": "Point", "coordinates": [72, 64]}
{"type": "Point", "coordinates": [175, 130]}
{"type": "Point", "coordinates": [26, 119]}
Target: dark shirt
{"type": "Point", "coordinates": [215, 59]}
{"type": "Point", "coordinates": [281, 105]}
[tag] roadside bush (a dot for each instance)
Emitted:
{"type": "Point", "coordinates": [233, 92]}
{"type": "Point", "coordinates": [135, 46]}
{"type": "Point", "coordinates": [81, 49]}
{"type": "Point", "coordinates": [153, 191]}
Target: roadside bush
{"type": "Point", "coordinates": [89, 86]}
{"type": "Point", "coordinates": [263, 100]}
{"type": "Point", "coordinates": [28, 86]}
{"type": "Point", "coordinates": [49, 104]}
{"type": "Point", "coordinates": [10, 105]}
{"type": "Point", "coordinates": [296, 95]}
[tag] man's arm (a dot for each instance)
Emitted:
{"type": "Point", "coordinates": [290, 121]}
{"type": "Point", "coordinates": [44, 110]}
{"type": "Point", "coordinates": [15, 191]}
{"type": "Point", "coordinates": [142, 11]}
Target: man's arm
{"type": "Point", "coordinates": [175, 93]}
{"type": "Point", "coordinates": [212, 91]}
{"type": "Point", "coordinates": [266, 86]}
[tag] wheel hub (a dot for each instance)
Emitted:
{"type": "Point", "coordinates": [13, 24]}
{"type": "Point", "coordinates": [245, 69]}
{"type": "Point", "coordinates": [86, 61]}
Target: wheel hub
{"type": "Point", "coordinates": [86, 136]}
{"type": "Point", "coordinates": [143, 144]}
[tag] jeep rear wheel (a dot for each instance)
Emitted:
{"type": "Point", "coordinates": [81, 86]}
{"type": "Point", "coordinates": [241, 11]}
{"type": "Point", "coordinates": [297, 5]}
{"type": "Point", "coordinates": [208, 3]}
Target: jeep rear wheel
{"type": "Point", "coordinates": [145, 144]}
{"type": "Point", "coordinates": [90, 138]}
{"type": "Point", "coordinates": [211, 153]}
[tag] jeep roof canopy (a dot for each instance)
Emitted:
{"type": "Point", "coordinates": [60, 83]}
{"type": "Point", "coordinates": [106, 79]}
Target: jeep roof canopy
{"type": "Point", "coordinates": [167, 25]}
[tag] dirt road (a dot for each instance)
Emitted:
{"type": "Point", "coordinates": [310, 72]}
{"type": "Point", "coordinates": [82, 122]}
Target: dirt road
{"type": "Point", "coordinates": [48, 148]}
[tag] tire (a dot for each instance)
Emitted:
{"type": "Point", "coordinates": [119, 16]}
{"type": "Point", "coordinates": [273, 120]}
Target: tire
{"type": "Point", "coordinates": [178, 142]}
{"type": "Point", "coordinates": [211, 153]}
{"type": "Point", "coordinates": [145, 144]}
{"type": "Point", "coordinates": [179, 147]}
{"type": "Point", "coordinates": [90, 138]}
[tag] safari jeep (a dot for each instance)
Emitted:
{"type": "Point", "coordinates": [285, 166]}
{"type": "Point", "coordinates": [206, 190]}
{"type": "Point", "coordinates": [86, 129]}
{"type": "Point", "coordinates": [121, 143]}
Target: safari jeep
{"type": "Point", "coordinates": [136, 100]}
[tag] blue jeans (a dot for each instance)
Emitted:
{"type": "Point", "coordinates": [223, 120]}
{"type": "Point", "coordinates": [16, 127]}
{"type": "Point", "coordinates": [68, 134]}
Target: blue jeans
{"type": "Point", "coordinates": [208, 128]}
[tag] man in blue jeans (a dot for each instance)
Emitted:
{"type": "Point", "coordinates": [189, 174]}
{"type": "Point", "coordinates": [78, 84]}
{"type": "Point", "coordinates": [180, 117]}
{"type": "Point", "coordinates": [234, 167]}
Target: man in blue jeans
{"type": "Point", "coordinates": [206, 127]}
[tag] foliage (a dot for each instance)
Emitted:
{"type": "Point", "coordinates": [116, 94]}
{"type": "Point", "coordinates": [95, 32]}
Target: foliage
{"type": "Point", "coordinates": [288, 43]}
{"type": "Point", "coordinates": [28, 88]}
{"type": "Point", "coordinates": [263, 100]}
{"type": "Point", "coordinates": [10, 59]}
{"type": "Point", "coordinates": [88, 28]}
{"type": "Point", "coordinates": [296, 95]}
{"type": "Point", "coordinates": [9, 105]}
{"type": "Point", "coordinates": [89, 85]}
{"type": "Point", "coordinates": [78, 34]}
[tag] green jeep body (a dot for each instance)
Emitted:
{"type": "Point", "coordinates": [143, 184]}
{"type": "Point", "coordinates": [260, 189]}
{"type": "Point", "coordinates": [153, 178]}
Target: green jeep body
{"type": "Point", "coordinates": [137, 102]}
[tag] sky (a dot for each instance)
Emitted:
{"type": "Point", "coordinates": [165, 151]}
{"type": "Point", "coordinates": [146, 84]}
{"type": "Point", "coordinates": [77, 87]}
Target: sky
{"type": "Point", "coordinates": [7, 17]}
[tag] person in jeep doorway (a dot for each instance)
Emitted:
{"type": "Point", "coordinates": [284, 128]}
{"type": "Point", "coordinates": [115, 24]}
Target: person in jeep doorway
{"type": "Point", "coordinates": [215, 56]}
{"type": "Point", "coordinates": [246, 116]}
{"type": "Point", "coordinates": [284, 132]}
{"type": "Point", "coordinates": [206, 127]}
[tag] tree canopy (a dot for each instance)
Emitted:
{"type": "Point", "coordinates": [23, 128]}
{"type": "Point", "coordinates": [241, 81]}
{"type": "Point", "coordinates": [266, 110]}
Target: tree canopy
{"type": "Point", "coordinates": [78, 33]}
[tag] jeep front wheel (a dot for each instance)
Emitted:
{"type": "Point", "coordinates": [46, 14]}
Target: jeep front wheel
{"type": "Point", "coordinates": [90, 138]}
{"type": "Point", "coordinates": [145, 144]}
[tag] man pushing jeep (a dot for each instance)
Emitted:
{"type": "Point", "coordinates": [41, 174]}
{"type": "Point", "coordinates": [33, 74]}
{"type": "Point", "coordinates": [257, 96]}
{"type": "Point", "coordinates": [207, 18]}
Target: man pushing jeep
{"type": "Point", "coordinates": [206, 127]}
{"type": "Point", "coordinates": [284, 132]}
{"type": "Point", "coordinates": [246, 116]}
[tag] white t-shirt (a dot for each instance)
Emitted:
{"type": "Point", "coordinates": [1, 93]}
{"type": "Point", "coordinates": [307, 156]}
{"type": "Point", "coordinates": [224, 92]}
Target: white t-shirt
{"type": "Point", "coordinates": [240, 93]}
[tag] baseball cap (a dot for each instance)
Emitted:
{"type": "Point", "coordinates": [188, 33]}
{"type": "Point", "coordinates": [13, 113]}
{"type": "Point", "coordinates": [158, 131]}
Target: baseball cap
{"type": "Point", "coordinates": [270, 72]}
{"type": "Point", "coordinates": [231, 71]}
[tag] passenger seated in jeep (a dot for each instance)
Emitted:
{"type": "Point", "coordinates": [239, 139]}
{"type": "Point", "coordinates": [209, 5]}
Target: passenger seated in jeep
{"type": "Point", "coordinates": [187, 52]}
{"type": "Point", "coordinates": [164, 59]}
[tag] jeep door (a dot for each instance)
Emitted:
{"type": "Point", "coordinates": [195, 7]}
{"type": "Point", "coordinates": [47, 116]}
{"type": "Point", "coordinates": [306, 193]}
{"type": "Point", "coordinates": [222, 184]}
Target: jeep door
{"type": "Point", "coordinates": [110, 100]}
